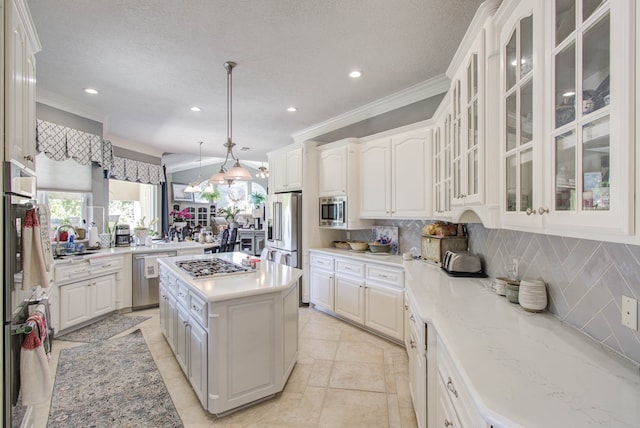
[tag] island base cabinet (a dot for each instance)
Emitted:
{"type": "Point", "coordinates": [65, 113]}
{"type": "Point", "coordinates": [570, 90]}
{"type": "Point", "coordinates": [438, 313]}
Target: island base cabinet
{"type": "Point", "coordinates": [383, 310]}
{"type": "Point", "coordinates": [197, 351]}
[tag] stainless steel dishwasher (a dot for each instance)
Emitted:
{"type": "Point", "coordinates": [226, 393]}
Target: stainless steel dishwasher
{"type": "Point", "coordinates": [146, 291]}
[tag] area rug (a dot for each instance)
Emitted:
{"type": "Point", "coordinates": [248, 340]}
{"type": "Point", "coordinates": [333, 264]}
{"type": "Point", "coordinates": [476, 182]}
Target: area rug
{"type": "Point", "coordinates": [111, 384]}
{"type": "Point", "coordinates": [103, 329]}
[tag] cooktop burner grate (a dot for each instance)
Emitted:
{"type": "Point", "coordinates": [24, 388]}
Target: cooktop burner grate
{"type": "Point", "coordinates": [211, 267]}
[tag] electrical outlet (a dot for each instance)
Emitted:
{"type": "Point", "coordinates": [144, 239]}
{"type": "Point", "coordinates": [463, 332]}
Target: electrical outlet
{"type": "Point", "coordinates": [630, 312]}
{"type": "Point", "coordinates": [515, 267]}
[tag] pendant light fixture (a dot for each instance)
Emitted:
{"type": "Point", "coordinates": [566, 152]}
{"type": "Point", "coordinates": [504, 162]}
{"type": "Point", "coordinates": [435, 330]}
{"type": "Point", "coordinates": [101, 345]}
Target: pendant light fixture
{"type": "Point", "coordinates": [263, 172]}
{"type": "Point", "coordinates": [195, 187]}
{"type": "Point", "coordinates": [237, 172]}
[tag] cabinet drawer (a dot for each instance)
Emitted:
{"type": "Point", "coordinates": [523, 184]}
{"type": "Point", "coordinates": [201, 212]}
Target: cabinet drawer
{"type": "Point", "coordinates": [349, 267]}
{"type": "Point", "coordinates": [386, 275]}
{"type": "Point", "coordinates": [198, 309]}
{"type": "Point", "coordinates": [183, 294]}
{"type": "Point", "coordinates": [172, 284]}
{"type": "Point", "coordinates": [456, 390]}
{"type": "Point", "coordinates": [324, 262]}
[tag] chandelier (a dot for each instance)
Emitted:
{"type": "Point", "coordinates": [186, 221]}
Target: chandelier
{"type": "Point", "coordinates": [263, 172]}
{"type": "Point", "coordinates": [237, 172]}
{"type": "Point", "coordinates": [194, 187]}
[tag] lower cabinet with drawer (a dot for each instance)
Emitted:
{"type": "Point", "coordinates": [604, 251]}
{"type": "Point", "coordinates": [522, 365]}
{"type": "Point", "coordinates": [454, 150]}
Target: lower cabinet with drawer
{"type": "Point", "coordinates": [367, 294]}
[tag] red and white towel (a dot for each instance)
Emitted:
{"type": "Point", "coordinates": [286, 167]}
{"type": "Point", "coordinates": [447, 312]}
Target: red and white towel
{"type": "Point", "coordinates": [35, 265]}
{"type": "Point", "coordinates": [35, 378]}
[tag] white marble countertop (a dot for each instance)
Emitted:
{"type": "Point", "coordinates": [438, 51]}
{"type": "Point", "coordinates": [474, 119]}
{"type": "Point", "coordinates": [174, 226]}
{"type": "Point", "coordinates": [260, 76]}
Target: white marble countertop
{"type": "Point", "coordinates": [268, 277]}
{"type": "Point", "coordinates": [385, 259]}
{"type": "Point", "coordinates": [521, 369]}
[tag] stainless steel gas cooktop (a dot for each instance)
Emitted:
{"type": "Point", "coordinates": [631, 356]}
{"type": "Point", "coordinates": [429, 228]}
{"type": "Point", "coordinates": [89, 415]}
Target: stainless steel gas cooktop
{"type": "Point", "coordinates": [211, 267]}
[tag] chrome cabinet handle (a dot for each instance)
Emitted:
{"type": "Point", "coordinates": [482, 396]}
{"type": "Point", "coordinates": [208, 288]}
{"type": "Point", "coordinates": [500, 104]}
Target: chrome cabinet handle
{"type": "Point", "coordinates": [406, 307]}
{"type": "Point", "coordinates": [413, 344]}
{"type": "Point", "coordinates": [542, 210]}
{"type": "Point", "coordinates": [28, 158]}
{"type": "Point", "coordinates": [451, 388]}
{"type": "Point", "coordinates": [447, 423]}
{"type": "Point", "coordinates": [530, 211]}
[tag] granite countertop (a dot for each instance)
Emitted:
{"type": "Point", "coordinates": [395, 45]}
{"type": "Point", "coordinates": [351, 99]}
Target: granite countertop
{"type": "Point", "coordinates": [268, 277]}
{"type": "Point", "coordinates": [522, 369]}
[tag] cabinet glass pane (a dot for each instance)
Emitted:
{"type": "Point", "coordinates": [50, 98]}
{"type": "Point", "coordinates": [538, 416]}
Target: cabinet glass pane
{"type": "Point", "coordinates": [565, 85]}
{"type": "Point", "coordinates": [474, 76]}
{"type": "Point", "coordinates": [511, 183]}
{"type": "Point", "coordinates": [438, 198]}
{"type": "Point", "coordinates": [595, 74]}
{"type": "Point", "coordinates": [566, 172]}
{"type": "Point", "coordinates": [474, 141]}
{"type": "Point", "coordinates": [512, 61]}
{"type": "Point", "coordinates": [438, 169]}
{"type": "Point", "coordinates": [565, 19]}
{"type": "Point", "coordinates": [526, 179]}
{"type": "Point", "coordinates": [469, 81]}
{"type": "Point", "coordinates": [472, 174]}
{"type": "Point", "coordinates": [588, 7]}
{"type": "Point", "coordinates": [447, 195]}
{"type": "Point", "coordinates": [511, 121]}
{"type": "Point", "coordinates": [526, 112]}
{"type": "Point", "coordinates": [456, 178]}
{"type": "Point", "coordinates": [595, 165]}
{"type": "Point", "coordinates": [526, 45]}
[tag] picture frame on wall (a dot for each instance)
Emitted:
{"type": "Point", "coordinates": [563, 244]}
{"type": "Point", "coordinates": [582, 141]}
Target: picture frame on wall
{"type": "Point", "coordinates": [179, 195]}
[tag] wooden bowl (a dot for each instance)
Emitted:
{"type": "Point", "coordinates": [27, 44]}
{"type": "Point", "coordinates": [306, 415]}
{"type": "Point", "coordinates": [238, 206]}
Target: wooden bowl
{"type": "Point", "coordinates": [343, 245]}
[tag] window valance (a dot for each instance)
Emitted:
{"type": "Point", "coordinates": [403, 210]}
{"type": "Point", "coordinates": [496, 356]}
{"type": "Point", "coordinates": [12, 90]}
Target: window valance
{"type": "Point", "coordinates": [133, 170]}
{"type": "Point", "coordinates": [60, 142]}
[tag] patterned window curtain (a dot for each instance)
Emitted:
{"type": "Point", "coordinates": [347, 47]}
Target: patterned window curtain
{"type": "Point", "coordinates": [133, 170]}
{"type": "Point", "coordinates": [59, 142]}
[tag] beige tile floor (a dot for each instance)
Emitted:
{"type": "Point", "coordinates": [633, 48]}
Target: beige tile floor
{"type": "Point", "coordinates": [344, 377]}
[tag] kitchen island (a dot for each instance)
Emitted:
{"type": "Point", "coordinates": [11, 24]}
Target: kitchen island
{"type": "Point", "coordinates": [235, 335]}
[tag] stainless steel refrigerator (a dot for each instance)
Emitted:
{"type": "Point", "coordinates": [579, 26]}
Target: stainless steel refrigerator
{"type": "Point", "coordinates": [284, 229]}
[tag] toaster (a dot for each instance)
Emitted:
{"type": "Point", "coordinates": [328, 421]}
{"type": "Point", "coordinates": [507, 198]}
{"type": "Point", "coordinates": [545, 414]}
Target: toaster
{"type": "Point", "coordinates": [462, 263]}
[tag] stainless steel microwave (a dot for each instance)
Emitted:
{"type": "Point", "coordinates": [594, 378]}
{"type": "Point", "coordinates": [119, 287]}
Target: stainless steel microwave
{"type": "Point", "coordinates": [333, 211]}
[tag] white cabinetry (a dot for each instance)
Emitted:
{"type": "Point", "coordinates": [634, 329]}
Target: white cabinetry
{"type": "Point", "coordinates": [21, 45]}
{"type": "Point", "coordinates": [384, 293]}
{"type": "Point", "coordinates": [285, 170]}
{"type": "Point", "coordinates": [84, 300]}
{"type": "Point", "coordinates": [416, 345]}
{"type": "Point", "coordinates": [322, 281]}
{"type": "Point", "coordinates": [396, 178]}
{"type": "Point", "coordinates": [349, 290]}
{"type": "Point", "coordinates": [442, 148]}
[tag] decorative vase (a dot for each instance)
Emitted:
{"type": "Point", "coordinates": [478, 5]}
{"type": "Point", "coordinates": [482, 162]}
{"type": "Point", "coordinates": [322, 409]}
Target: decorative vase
{"type": "Point", "coordinates": [140, 236]}
{"type": "Point", "coordinates": [105, 240]}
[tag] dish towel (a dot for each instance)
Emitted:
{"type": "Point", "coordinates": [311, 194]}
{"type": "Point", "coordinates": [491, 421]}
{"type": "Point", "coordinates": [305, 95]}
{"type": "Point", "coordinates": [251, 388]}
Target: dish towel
{"type": "Point", "coordinates": [264, 255]}
{"type": "Point", "coordinates": [34, 267]}
{"type": "Point", "coordinates": [44, 216]}
{"type": "Point", "coordinates": [151, 267]}
{"type": "Point", "coordinates": [35, 379]}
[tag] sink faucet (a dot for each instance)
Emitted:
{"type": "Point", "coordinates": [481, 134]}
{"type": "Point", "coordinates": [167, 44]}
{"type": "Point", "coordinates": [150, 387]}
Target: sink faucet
{"type": "Point", "coordinates": [68, 226]}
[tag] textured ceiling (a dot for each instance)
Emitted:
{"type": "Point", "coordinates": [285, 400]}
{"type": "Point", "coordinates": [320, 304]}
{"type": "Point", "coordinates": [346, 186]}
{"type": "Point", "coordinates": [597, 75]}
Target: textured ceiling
{"type": "Point", "coordinates": [152, 60]}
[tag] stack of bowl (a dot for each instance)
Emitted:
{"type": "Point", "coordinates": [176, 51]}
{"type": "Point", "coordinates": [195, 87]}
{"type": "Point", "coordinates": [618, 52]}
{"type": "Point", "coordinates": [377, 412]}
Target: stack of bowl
{"type": "Point", "coordinates": [359, 246]}
{"type": "Point", "coordinates": [376, 247]}
{"type": "Point", "coordinates": [502, 283]}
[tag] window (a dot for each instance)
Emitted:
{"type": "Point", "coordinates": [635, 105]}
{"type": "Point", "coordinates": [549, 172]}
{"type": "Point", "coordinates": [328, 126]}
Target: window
{"type": "Point", "coordinates": [67, 208]}
{"type": "Point", "coordinates": [239, 194]}
{"type": "Point", "coordinates": [133, 201]}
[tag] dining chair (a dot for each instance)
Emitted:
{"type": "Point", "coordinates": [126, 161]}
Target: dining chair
{"type": "Point", "coordinates": [223, 241]}
{"type": "Point", "coordinates": [231, 245]}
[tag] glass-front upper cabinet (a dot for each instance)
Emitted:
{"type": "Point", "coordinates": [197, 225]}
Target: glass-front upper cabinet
{"type": "Point", "coordinates": [591, 140]}
{"type": "Point", "coordinates": [522, 129]}
{"type": "Point", "coordinates": [468, 126]}
{"type": "Point", "coordinates": [442, 166]}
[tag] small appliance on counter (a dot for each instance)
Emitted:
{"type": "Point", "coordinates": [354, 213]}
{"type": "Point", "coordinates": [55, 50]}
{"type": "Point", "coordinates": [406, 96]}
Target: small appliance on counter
{"type": "Point", "coordinates": [123, 235]}
{"type": "Point", "coordinates": [462, 264]}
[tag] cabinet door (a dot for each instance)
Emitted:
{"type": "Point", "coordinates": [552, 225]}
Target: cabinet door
{"type": "Point", "coordinates": [198, 360]}
{"type": "Point", "coordinates": [522, 126]}
{"type": "Point", "coordinates": [411, 175]}
{"type": "Point", "coordinates": [75, 304]}
{"type": "Point", "coordinates": [163, 310]}
{"type": "Point", "coordinates": [349, 298]}
{"type": "Point", "coordinates": [293, 165]}
{"type": "Point", "coordinates": [384, 310]}
{"type": "Point", "coordinates": [332, 172]}
{"type": "Point", "coordinates": [182, 338]}
{"type": "Point", "coordinates": [445, 413]}
{"type": "Point", "coordinates": [258, 244]}
{"type": "Point", "coordinates": [103, 291]}
{"type": "Point", "coordinates": [171, 324]}
{"type": "Point", "coordinates": [322, 288]}
{"type": "Point", "coordinates": [375, 179]}
{"type": "Point", "coordinates": [591, 141]}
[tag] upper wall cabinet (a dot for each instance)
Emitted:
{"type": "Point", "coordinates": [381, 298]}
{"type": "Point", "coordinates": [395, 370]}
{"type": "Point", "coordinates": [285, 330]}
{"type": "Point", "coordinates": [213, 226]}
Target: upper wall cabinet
{"type": "Point", "coordinates": [590, 143]}
{"type": "Point", "coordinates": [21, 45]}
{"type": "Point", "coordinates": [396, 177]}
{"type": "Point", "coordinates": [285, 169]}
{"type": "Point", "coordinates": [442, 149]}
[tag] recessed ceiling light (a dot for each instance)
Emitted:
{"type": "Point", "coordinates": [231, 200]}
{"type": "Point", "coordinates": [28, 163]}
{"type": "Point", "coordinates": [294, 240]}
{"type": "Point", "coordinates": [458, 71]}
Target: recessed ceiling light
{"type": "Point", "coordinates": [91, 91]}
{"type": "Point", "coordinates": [292, 109]}
{"type": "Point", "coordinates": [355, 74]}
{"type": "Point", "coordinates": [195, 108]}
{"type": "Point", "coordinates": [245, 148]}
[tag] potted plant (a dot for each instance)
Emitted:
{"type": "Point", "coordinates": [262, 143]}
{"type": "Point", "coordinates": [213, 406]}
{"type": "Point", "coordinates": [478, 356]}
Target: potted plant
{"type": "Point", "coordinates": [211, 196]}
{"type": "Point", "coordinates": [179, 218]}
{"type": "Point", "coordinates": [141, 231]}
{"type": "Point", "coordinates": [257, 198]}
{"type": "Point", "coordinates": [229, 213]}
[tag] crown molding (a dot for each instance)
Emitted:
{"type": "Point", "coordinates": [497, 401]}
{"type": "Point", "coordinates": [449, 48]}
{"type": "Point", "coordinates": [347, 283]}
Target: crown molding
{"type": "Point", "coordinates": [25, 16]}
{"type": "Point", "coordinates": [54, 100]}
{"type": "Point", "coordinates": [419, 92]}
{"type": "Point", "coordinates": [486, 10]}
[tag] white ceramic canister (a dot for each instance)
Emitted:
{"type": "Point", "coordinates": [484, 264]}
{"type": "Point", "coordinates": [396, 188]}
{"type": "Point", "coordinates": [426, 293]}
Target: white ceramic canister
{"type": "Point", "coordinates": [501, 285]}
{"type": "Point", "coordinates": [533, 295]}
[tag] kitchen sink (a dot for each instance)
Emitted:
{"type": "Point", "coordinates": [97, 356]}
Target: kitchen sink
{"type": "Point", "coordinates": [75, 255]}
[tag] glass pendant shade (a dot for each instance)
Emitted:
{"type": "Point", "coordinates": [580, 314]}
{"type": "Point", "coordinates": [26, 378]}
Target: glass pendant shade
{"type": "Point", "coordinates": [238, 173]}
{"type": "Point", "coordinates": [218, 177]}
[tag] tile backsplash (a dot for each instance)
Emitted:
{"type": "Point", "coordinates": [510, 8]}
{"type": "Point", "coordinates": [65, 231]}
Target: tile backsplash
{"type": "Point", "coordinates": [585, 279]}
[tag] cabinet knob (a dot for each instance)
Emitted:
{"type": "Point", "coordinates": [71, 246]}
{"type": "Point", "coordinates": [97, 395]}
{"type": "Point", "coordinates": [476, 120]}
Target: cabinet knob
{"type": "Point", "coordinates": [542, 210]}
{"type": "Point", "coordinates": [412, 318]}
{"type": "Point", "coordinates": [452, 388]}
{"type": "Point", "coordinates": [530, 211]}
{"type": "Point", "coordinates": [406, 307]}
{"type": "Point", "coordinates": [413, 344]}
{"type": "Point", "coordinates": [447, 423]}
{"type": "Point", "coordinates": [28, 158]}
